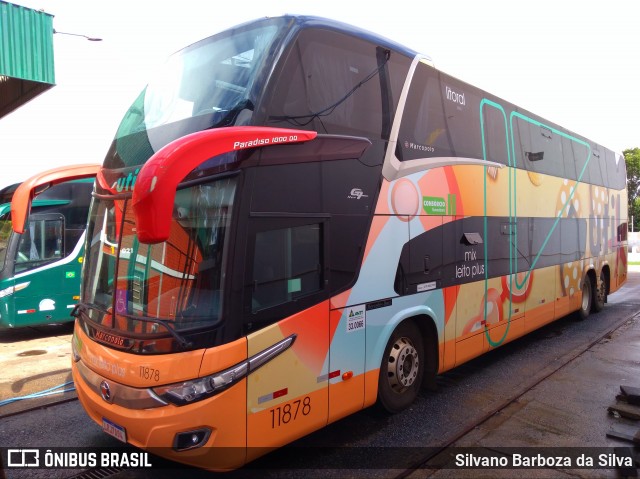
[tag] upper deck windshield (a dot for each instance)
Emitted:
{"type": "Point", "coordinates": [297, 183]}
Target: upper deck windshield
{"type": "Point", "coordinates": [150, 292]}
{"type": "Point", "coordinates": [204, 86]}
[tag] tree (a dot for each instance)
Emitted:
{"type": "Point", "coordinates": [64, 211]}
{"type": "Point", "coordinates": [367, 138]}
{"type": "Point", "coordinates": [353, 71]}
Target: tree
{"type": "Point", "coordinates": [632, 160]}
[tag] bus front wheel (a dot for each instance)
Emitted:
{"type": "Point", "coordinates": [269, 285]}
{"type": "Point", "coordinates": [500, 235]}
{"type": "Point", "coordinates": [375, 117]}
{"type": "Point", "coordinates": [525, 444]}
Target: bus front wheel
{"type": "Point", "coordinates": [402, 368]}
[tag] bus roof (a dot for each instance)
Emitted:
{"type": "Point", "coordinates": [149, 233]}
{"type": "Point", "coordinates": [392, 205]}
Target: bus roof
{"type": "Point", "coordinates": [321, 22]}
{"type": "Point", "coordinates": [27, 191]}
{"type": "Point", "coordinates": [304, 21]}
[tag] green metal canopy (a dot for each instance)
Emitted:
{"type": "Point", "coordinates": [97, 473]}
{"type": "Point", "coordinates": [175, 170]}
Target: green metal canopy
{"type": "Point", "coordinates": [26, 55]}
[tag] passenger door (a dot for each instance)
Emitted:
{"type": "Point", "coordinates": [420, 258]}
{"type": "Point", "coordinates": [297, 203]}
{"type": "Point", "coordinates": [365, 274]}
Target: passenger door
{"type": "Point", "coordinates": [286, 297]}
{"type": "Point", "coordinates": [50, 287]}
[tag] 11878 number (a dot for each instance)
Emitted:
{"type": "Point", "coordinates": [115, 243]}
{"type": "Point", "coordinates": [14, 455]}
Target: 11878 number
{"type": "Point", "coordinates": [149, 373]}
{"type": "Point", "coordinates": [290, 411]}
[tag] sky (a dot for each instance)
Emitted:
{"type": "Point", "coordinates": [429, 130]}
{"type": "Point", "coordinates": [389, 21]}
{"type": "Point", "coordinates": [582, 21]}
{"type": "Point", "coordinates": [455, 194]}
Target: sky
{"type": "Point", "coordinates": [574, 63]}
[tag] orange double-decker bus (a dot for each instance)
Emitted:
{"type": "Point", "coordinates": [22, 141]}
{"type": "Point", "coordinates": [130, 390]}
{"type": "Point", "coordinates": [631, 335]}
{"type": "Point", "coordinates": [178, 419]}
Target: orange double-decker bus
{"type": "Point", "coordinates": [298, 219]}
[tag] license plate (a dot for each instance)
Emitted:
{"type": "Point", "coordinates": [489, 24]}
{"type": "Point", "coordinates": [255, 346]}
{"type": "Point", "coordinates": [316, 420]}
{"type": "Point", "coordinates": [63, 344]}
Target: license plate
{"type": "Point", "coordinates": [114, 430]}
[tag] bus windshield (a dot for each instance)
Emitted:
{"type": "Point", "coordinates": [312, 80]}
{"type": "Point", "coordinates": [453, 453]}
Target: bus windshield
{"type": "Point", "coordinates": [173, 285]}
{"type": "Point", "coordinates": [5, 234]}
{"type": "Point", "coordinates": [203, 86]}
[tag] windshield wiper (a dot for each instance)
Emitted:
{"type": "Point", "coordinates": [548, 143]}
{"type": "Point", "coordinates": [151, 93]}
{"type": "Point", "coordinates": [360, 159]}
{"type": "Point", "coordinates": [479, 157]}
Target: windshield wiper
{"type": "Point", "coordinates": [166, 323]}
{"type": "Point", "coordinates": [229, 116]}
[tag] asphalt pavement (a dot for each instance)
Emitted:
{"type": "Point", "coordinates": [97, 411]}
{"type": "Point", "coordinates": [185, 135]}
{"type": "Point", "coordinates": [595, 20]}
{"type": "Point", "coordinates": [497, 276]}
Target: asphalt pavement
{"type": "Point", "coordinates": [575, 406]}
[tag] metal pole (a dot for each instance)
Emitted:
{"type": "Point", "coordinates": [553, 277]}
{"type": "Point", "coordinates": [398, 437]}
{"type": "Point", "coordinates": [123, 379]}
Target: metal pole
{"type": "Point", "coordinates": [91, 39]}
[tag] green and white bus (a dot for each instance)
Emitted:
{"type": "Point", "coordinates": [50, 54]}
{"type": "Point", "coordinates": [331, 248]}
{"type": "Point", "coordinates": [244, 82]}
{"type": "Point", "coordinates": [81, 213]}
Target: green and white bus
{"type": "Point", "coordinates": [42, 232]}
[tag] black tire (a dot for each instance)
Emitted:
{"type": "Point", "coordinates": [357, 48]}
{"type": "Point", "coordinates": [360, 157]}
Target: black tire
{"type": "Point", "coordinates": [402, 368]}
{"type": "Point", "coordinates": [587, 298]}
{"type": "Point", "coordinates": [600, 294]}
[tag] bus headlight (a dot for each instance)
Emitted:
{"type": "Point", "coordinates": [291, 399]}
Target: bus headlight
{"type": "Point", "coordinates": [187, 392]}
{"type": "Point", "coordinates": [202, 388]}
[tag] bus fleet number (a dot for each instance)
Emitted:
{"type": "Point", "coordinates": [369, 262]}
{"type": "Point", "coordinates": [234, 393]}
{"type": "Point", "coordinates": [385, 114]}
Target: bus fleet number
{"type": "Point", "coordinates": [290, 411]}
{"type": "Point", "coordinates": [149, 373]}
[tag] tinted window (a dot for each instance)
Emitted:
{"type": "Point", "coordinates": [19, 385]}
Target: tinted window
{"type": "Point", "coordinates": [602, 164]}
{"type": "Point", "coordinates": [545, 242]}
{"type": "Point", "coordinates": [595, 172]}
{"type": "Point", "coordinates": [440, 118]}
{"type": "Point", "coordinates": [5, 235]}
{"type": "Point", "coordinates": [286, 266]}
{"type": "Point", "coordinates": [334, 83]}
{"type": "Point", "coordinates": [41, 242]}
{"type": "Point", "coordinates": [616, 170]}
{"type": "Point", "coordinates": [581, 157]}
{"type": "Point", "coordinates": [538, 147]}
{"type": "Point", "coordinates": [495, 134]}
{"type": "Point", "coordinates": [455, 252]}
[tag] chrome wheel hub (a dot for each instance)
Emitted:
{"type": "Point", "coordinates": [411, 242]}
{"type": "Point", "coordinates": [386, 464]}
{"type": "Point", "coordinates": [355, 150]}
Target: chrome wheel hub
{"type": "Point", "coordinates": [585, 297]}
{"type": "Point", "coordinates": [403, 364]}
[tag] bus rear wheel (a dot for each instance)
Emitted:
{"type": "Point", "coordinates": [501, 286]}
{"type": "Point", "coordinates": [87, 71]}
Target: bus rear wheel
{"type": "Point", "coordinates": [587, 298]}
{"type": "Point", "coordinates": [402, 368]}
{"type": "Point", "coordinates": [600, 293]}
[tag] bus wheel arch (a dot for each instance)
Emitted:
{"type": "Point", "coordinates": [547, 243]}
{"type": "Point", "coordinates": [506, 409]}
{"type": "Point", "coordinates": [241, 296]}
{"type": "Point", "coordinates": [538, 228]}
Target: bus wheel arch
{"type": "Point", "coordinates": [408, 364]}
{"type": "Point", "coordinates": [429, 333]}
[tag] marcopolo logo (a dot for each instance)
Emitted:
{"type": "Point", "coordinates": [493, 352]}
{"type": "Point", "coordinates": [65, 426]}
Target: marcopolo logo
{"type": "Point", "coordinates": [434, 205]}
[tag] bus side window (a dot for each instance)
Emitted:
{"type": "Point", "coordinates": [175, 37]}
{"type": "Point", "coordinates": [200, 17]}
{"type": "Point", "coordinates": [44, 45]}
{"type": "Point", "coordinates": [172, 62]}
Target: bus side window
{"type": "Point", "coordinates": [538, 147]}
{"type": "Point", "coordinates": [42, 241]}
{"type": "Point", "coordinates": [495, 135]}
{"type": "Point", "coordinates": [5, 235]}
{"type": "Point", "coordinates": [616, 169]}
{"type": "Point", "coordinates": [440, 118]}
{"type": "Point", "coordinates": [580, 155]}
{"type": "Point", "coordinates": [71, 238]}
{"type": "Point", "coordinates": [423, 130]}
{"type": "Point", "coordinates": [287, 265]}
{"type": "Point", "coordinates": [595, 170]}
